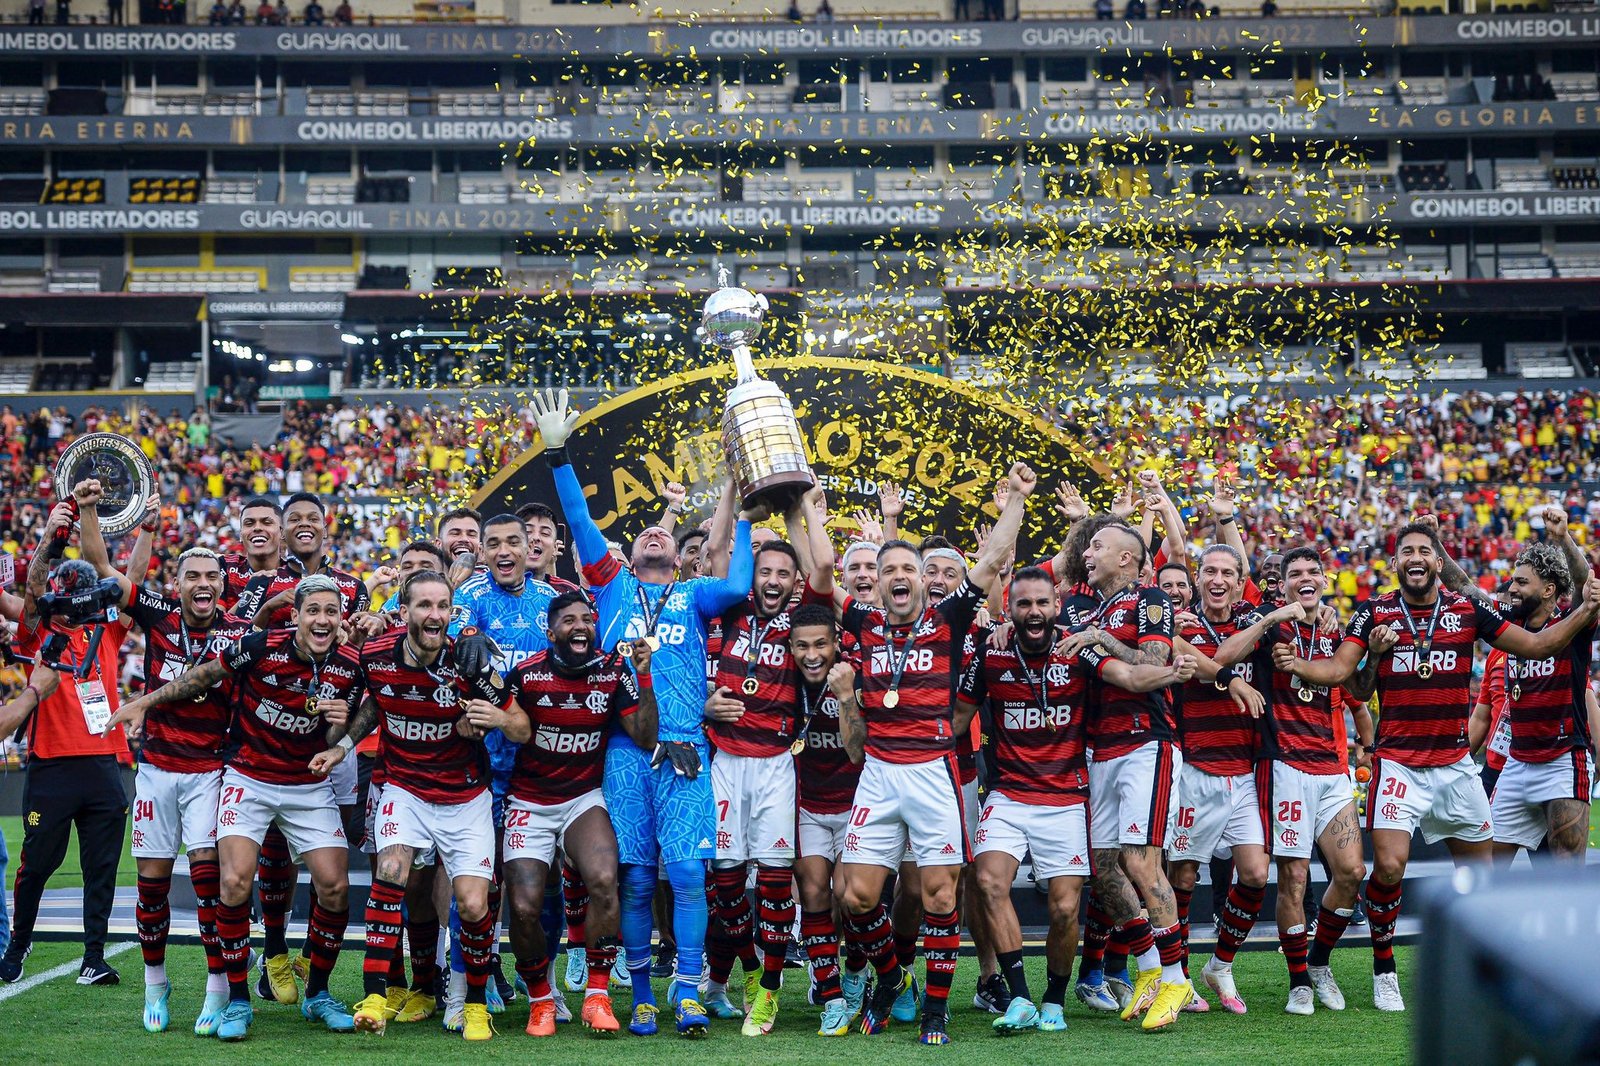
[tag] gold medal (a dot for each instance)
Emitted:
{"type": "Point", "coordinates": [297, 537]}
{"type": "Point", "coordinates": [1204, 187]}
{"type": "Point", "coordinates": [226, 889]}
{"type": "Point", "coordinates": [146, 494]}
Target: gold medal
{"type": "Point", "coordinates": [311, 705]}
{"type": "Point", "coordinates": [750, 686]}
{"type": "Point", "coordinates": [1516, 692]}
{"type": "Point", "coordinates": [653, 644]}
{"type": "Point", "coordinates": [891, 699]}
{"type": "Point", "coordinates": [625, 649]}
{"type": "Point", "coordinates": [798, 746]}
{"type": "Point", "coordinates": [1425, 671]}
{"type": "Point", "coordinates": [1306, 695]}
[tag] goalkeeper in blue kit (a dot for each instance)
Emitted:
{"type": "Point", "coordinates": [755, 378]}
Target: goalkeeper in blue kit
{"type": "Point", "coordinates": [661, 803]}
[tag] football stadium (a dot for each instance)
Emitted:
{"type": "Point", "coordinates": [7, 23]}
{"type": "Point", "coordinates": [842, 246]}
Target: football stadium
{"type": "Point", "coordinates": [1010, 524]}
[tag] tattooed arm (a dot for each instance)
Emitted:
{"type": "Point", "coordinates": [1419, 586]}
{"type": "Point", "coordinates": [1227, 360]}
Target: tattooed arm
{"type": "Point", "coordinates": [364, 721]}
{"type": "Point", "coordinates": [852, 727]}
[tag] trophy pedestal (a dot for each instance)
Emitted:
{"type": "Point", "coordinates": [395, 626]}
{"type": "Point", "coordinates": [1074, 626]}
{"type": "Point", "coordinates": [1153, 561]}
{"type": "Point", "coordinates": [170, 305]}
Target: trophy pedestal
{"type": "Point", "coordinates": [763, 444]}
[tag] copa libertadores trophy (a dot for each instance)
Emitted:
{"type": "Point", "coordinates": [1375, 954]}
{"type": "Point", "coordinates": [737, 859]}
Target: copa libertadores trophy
{"type": "Point", "coordinates": [125, 475]}
{"type": "Point", "coordinates": [759, 431]}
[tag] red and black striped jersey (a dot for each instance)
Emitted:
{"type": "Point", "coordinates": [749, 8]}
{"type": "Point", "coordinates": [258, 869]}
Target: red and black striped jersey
{"type": "Point", "coordinates": [826, 774]}
{"type": "Point", "coordinates": [1120, 721]}
{"type": "Point", "coordinates": [236, 574]}
{"type": "Point", "coordinates": [918, 728]}
{"type": "Point", "coordinates": [188, 737]}
{"type": "Point", "coordinates": [1036, 732]}
{"type": "Point", "coordinates": [1216, 737]}
{"type": "Point", "coordinates": [278, 726]}
{"type": "Point", "coordinates": [757, 650]}
{"type": "Point", "coordinates": [571, 715]}
{"type": "Point", "coordinates": [713, 648]}
{"type": "Point", "coordinates": [1296, 730]}
{"type": "Point", "coordinates": [418, 708]}
{"type": "Point", "coordinates": [967, 743]}
{"type": "Point", "coordinates": [1422, 721]}
{"type": "Point", "coordinates": [1545, 700]}
{"type": "Point", "coordinates": [353, 595]}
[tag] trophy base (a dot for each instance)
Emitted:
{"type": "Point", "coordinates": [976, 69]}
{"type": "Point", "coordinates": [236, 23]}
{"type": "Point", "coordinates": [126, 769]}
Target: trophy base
{"type": "Point", "coordinates": [779, 492]}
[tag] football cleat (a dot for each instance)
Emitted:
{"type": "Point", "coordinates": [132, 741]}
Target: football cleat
{"type": "Point", "coordinates": [476, 1023]}
{"type": "Point", "coordinates": [497, 980]}
{"type": "Point", "coordinates": [879, 1009]}
{"type": "Point", "coordinates": [577, 978]}
{"type": "Point", "coordinates": [541, 1018]}
{"type": "Point", "coordinates": [300, 965]}
{"type": "Point", "coordinates": [372, 1014]}
{"type": "Point", "coordinates": [1301, 1001]}
{"type": "Point", "coordinates": [1052, 1019]}
{"type": "Point", "coordinates": [598, 1017]}
{"type": "Point", "coordinates": [323, 1008]}
{"type": "Point", "coordinates": [277, 981]}
{"type": "Point", "coordinates": [691, 1017]}
{"type": "Point", "coordinates": [836, 1018]}
{"type": "Point", "coordinates": [908, 1003]}
{"type": "Point", "coordinates": [394, 997]}
{"type": "Point", "coordinates": [1386, 992]}
{"type": "Point", "coordinates": [763, 1013]}
{"type": "Point", "coordinates": [234, 1021]}
{"type": "Point", "coordinates": [1327, 989]}
{"type": "Point", "coordinates": [934, 1028]}
{"type": "Point", "coordinates": [1219, 978]}
{"type": "Point", "coordinates": [559, 998]}
{"type": "Point", "coordinates": [1021, 1016]}
{"type": "Point", "coordinates": [1197, 1003]}
{"type": "Point", "coordinates": [1121, 986]}
{"type": "Point", "coordinates": [156, 998]}
{"type": "Point", "coordinates": [993, 995]}
{"type": "Point", "coordinates": [1171, 998]}
{"type": "Point", "coordinates": [494, 1001]}
{"type": "Point", "coordinates": [619, 971]}
{"type": "Point", "coordinates": [96, 972]}
{"type": "Point", "coordinates": [210, 1014]}
{"type": "Point", "coordinates": [752, 988]}
{"type": "Point", "coordinates": [1145, 988]}
{"type": "Point", "coordinates": [854, 986]}
{"type": "Point", "coordinates": [1096, 995]}
{"type": "Point", "coordinates": [416, 1007]}
{"type": "Point", "coordinates": [644, 1019]}
{"type": "Point", "coordinates": [718, 1005]}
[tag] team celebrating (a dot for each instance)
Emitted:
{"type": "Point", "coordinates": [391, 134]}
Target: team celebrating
{"type": "Point", "coordinates": [751, 746]}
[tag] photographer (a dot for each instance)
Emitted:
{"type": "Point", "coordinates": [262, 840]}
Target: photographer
{"type": "Point", "coordinates": [73, 777]}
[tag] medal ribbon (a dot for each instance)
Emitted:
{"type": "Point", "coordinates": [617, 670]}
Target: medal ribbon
{"type": "Point", "coordinates": [1038, 685]}
{"type": "Point", "coordinates": [897, 665]}
{"type": "Point", "coordinates": [1423, 645]}
{"type": "Point", "coordinates": [651, 615]}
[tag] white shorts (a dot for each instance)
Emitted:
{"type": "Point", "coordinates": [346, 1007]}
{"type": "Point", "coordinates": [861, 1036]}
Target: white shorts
{"type": "Point", "coordinates": [1133, 799]}
{"type": "Point", "coordinates": [1058, 837]}
{"type": "Point", "coordinates": [170, 809]}
{"type": "Point", "coordinates": [306, 814]}
{"type": "Point", "coordinates": [1445, 801]}
{"type": "Point", "coordinates": [822, 835]}
{"type": "Point", "coordinates": [971, 806]}
{"type": "Point", "coordinates": [1296, 807]}
{"type": "Point", "coordinates": [1217, 813]}
{"type": "Point", "coordinates": [344, 781]}
{"type": "Point", "coordinates": [900, 804]}
{"type": "Point", "coordinates": [755, 807]}
{"type": "Point", "coordinates": [1524, 788]}
{"type": "Point", "coordinates": [461, 834]}
{"type": "Point", "coordinates": [534, 831]}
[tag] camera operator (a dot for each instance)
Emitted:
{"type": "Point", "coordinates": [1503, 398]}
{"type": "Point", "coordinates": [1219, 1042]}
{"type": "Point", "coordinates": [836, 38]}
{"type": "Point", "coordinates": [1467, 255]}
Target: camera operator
{"type": "Point", "coordinates": [73, 776]}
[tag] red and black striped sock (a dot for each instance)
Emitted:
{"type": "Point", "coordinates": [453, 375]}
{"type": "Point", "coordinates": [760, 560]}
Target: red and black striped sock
{"type": "Point", "coordinates": [821, 941]}
{"type": "Point", "coordinates": [732, 906]}
{"type": "Point", "coordinates": [1119, 945]}
{"type": "Point", "coordinates": [1096, 932]}
{"type": "Point", "coordinates": [275, 878]}
{"type": "Point", "coordinates": [600, 958]}
{"type": "Point", "coordinates": [872, 936]}
{"type": "Point", "coordinates": [1137, 940]}
{"type": "Point", "coordinates": [1239, 913]}
{"type": "Point", "coordinates": [206, 877]}
{"type": "Point", "coordinates": [776, 907]}
{"type": "Point", "coordinates": [941, 948]}
{"type": "Point", "coordinates": [1383, 914]}
{"type": "Point", "coordinates": [233, 940]}
{"type": "Point", "coordinates": [905, 948]}
{"type": "Point", "coordinates": [424, 938]}
{"type": "Point", "coordinates": [1293, 941]}
{"type": "Point", "coordinates": [383, 937]}
{"type": "Point", "coordinates": [324, 937]}
{"type": "Point", "coordinates": [535, 973]}
{"type": "Point", "coordinates": [575, 904]}
{"type": "Point", "coordinates": [1330, 927]}
{"type": "Point", "coordinates": [1183, 896]}
{"type": "Point", "coordinates": [1169, 946]}
{"type": "Point", "coordinates": [152, 915]}
{"type": "Point", "coordinates": [477, 955]}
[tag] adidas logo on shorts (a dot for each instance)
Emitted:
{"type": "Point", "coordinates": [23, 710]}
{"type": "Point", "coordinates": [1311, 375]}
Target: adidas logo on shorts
{"type": "Point", "coordinates": [781, 843]}
{"type": "Point", "coordinates": [1133, 827]}
{"type": "Point", "coordinates": [948, 849]}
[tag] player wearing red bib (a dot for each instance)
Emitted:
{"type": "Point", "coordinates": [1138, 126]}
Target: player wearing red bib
{"type": "Point", "coordinates": [1543, 791]}
{"type": "Point", "coordinates": [561, 705]}
{"type": "Point", "coordinates": [1422, 771]}
{"type": "Point", "coordinates": [288, 681]}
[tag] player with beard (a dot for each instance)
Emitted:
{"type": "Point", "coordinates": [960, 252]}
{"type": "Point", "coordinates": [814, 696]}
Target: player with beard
{"type": "Point", "coordinates": [1422, 771]}
{"type": "Point", "coordinates": [289, 681]}
{"type": "Point", "coordinates": [753, 777]}
{"type": "Point", "coordinates": [435, 799]}
{"type": "Point", "coordinates": [1543, 791]}
{"type": "Point", "coordinates": [559, 708]}
{"type": "Point", "coordinates": [1217, 784]}
{"type": "Point", "coordinates": [662, 814]}
{"type": "Point", "coordinates": [180, 761]}
{"type": "Point", "coordinates": [1174, 580]}
{"type": "Point", "coordinates": [909, 789]}
{"type": "Point", "coordinates": [1041, 784]}
{"type": "Point", "coordinates": [261, 533]}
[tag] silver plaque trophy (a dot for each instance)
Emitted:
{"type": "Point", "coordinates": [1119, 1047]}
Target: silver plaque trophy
{"type": "Point", "coordinates": [126, 479]}
{"type": "Point", "coordinates": [759, 432]}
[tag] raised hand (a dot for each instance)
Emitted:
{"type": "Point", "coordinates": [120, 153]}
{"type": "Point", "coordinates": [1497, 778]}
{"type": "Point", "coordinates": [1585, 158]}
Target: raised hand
{"type": "Point", "coordinates": [891, 501]}
{"type": "Point", "coordinates": [675, 495]}
{"type": "Point", "coordinates": [553, 416]}
{"type": "Point", "coordinates": [1022, 480]}
{"type": "Point", "coordinates": [1070, 503]}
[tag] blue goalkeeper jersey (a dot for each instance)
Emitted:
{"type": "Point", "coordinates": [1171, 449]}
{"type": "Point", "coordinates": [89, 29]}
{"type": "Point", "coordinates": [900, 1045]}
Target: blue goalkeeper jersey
{"type": "Point", "coordinates": [520, 626]}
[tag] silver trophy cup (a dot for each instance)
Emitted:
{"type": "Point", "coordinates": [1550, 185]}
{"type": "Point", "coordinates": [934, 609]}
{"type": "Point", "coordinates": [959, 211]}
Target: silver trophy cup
{"type": "Point", "coordinates": [759, 432]}
{"type": "Point", "coordinates": [126, 479]}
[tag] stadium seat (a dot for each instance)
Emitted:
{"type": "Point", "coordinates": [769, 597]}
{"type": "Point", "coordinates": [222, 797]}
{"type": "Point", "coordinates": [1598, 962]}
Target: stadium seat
{"type": "Point", "coordinates": [76, 191]}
